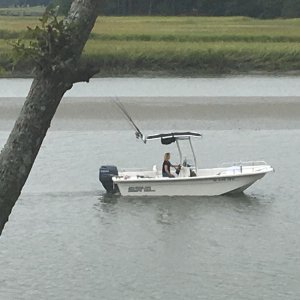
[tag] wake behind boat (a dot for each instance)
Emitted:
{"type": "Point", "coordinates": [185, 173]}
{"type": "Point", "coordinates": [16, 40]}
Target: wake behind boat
{"type": "Point", "coordinates": [190, 180]}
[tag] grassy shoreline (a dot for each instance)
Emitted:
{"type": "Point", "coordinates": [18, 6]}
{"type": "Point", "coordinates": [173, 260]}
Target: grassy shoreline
{"type": "Point", "coordinates": [177, 46]}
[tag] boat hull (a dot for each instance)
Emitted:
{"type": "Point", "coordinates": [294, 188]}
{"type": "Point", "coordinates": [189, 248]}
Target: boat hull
{"type": "Point", "coordinates": [192, 186]}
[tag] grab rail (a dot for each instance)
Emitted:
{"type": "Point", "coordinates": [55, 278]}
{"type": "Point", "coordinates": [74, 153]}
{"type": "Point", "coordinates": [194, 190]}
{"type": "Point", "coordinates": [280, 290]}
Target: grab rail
{"type": "Point", "coordinates": [244, 163]}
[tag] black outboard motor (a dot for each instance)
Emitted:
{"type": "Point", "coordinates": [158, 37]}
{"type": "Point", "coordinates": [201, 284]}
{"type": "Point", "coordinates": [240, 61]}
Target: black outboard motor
{"type": "Point", "coordinates": [105, 176]}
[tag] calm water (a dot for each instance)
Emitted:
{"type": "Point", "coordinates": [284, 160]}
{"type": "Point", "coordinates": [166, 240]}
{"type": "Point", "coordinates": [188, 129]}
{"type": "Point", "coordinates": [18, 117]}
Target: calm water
{"type": "Point", "coordinates": [67, 240]}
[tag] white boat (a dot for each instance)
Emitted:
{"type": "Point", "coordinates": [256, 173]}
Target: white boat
{"type": "Point", "coordinates": [191, 180]}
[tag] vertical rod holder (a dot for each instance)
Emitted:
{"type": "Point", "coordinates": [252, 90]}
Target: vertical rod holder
{"type": "Point", "coordinates": [179, 150]}
{"type": "Point", "coordinates": [195, 160]}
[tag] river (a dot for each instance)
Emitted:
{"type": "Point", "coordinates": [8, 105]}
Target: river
{"type": "Point", "coordinates": [66, 239]}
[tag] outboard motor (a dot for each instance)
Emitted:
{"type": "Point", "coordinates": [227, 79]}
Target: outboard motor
{"type": "Point", "coordinates": [105, 176]}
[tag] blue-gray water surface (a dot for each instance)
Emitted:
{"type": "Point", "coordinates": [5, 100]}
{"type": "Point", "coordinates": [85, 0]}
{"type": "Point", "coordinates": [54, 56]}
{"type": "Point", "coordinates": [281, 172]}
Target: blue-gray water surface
{"type": "Point", "coordinates": [66, 239]}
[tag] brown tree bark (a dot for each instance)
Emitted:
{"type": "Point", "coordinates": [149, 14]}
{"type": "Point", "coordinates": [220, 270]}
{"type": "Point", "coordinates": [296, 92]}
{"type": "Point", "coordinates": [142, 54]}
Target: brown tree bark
{"type": "Point", "coordinates": [18, 155]}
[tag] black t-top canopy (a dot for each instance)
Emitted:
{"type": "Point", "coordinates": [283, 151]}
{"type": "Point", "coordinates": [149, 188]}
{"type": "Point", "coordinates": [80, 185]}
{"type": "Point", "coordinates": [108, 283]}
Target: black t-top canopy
{"type": "Point", "coordinates": [168, 138]}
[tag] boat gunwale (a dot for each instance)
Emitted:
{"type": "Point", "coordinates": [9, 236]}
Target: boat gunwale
{"type": "Point", "coordinates": [172, 179]}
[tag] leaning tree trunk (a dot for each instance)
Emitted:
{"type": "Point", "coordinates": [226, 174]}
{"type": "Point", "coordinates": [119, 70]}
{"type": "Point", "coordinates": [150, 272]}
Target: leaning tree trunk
{"type": "Point", "coordinates": [47, 90]}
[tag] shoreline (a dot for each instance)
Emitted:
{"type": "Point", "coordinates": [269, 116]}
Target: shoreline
{"type": "Point", "coordinates": [162, 74]}
{"type": "Point", "coordinates": [148, 74]}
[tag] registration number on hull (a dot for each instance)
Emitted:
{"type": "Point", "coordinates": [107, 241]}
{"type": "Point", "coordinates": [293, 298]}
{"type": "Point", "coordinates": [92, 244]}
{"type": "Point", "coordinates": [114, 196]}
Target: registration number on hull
{"type": "Point", "coordinates": [140, 189]}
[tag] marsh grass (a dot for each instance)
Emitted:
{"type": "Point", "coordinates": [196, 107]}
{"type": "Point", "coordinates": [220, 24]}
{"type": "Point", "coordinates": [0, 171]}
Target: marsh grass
{"type": "Point", "coordinates": [184, 58]}
{"type": "Point", "coordinates": [181, 45]}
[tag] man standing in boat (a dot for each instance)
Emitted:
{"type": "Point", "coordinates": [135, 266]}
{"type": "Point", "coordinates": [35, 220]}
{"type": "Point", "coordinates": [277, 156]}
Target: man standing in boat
{"type": "Point", "coordinates": [166, 167]}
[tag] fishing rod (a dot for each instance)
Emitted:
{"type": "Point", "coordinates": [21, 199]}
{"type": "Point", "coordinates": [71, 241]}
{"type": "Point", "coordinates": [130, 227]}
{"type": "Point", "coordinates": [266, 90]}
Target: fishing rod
{"type": "Point", "coordinates": [138, 133]}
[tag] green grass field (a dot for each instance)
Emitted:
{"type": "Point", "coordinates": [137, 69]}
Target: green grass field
{"type": "Point", "coordinates": [184, 46]}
